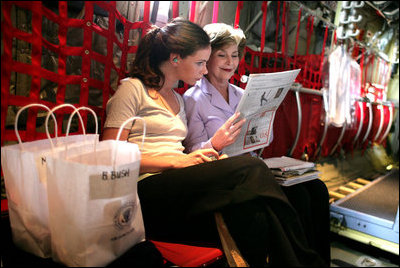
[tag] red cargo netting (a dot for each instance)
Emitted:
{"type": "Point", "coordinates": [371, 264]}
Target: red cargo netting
{"type": "Point", "coordinates": [12, 67]}
{"type": "Point", "coordinates": [279, 60]}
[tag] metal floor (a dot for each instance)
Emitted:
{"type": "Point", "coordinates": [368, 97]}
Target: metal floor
{"type": "Point", "coordinates": [338, 171]}
{"type": "Point", "coordinates": [352, 255]}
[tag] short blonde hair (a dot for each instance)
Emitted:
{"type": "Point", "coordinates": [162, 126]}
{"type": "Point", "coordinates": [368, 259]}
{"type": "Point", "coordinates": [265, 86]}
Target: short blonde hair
{"type": "Point", "coordinates": [222, 34]}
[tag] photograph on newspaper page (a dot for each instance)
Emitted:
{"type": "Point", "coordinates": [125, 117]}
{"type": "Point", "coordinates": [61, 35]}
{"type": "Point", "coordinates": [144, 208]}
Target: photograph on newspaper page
{"type": "Point", "coordinates": [263, 94]}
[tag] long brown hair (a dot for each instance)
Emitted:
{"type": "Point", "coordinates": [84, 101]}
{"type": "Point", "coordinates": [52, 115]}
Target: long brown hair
{"type": "Point", "coordinates": [180, 36]}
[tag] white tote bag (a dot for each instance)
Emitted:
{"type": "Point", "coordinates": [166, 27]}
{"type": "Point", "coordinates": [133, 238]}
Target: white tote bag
{"type": "Point", "coordinates": [95, 213]}
{"type": "Point", "coordinates": [24, 169]}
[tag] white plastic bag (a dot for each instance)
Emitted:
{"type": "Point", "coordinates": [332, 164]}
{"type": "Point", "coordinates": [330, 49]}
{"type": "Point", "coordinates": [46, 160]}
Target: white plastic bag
{"type": "Point", "coordinates": [339, 88]}
{"type": "Point", "coordinates": [24, 169]}
{"type": "Point", "coordinates": [95, 213]}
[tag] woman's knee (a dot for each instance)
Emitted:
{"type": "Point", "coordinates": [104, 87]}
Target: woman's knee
{"type": "Point", "coordinates": [298, 196]}
{"type": "Point", "coordinates": [253, 163]}
{"type": "Point", "coordinates": [318, 189]}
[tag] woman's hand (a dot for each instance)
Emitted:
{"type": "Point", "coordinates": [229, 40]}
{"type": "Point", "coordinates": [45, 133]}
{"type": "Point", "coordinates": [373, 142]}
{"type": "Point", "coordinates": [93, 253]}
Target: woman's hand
{"type": "Point", "coordinates": [196, 157]}
{"type": "Point", "coordinates": [152, 164]}
{"type": "Point", "coordinates": [227, 133]}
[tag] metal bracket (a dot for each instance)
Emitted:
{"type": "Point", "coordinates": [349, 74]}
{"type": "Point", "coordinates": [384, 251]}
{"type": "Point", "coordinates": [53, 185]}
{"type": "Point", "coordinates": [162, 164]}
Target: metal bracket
{"type": "Point", "coordinates": [299, 116]}
{"type": "Point", "coordinates": [389, 124]}
{"type": "Point", "coordinates": [340, 138]}
{"type": "Point", "coordinates": [352, 4]}
{"type": "Point", "coordinates": [325, 105]}
{"type": "Point", "coordinates": [336, 218]}
{"type": "Point", "coordinates": [381, 119]}
{"type": "Point", "coordinates": [370, 119]}
{"type": "Point", "coordinates": [360, 124]}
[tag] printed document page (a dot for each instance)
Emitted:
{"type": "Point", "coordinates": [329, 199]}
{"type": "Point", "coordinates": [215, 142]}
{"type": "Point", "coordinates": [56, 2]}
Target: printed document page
{"type": "Point", "coordinates": [262, 97]}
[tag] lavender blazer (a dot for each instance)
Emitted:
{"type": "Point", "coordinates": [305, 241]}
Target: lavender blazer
{"type": "Point", "coordinates": [206, 112]}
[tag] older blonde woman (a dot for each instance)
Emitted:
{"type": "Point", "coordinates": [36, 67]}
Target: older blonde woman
{"type": "Point", "coordinates": [210, 108]}
{"type": "Point", "coordinates": [211, 103]}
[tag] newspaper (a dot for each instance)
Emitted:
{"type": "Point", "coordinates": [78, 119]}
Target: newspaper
{"type": "Point", "coordinates": [285, 163]}
{"type": "Point", "coordinates": [262, 97]}
{"type": "Point", "coordinates": [289, 181]}
{"type": "Point", "coordinates": [289, 171]}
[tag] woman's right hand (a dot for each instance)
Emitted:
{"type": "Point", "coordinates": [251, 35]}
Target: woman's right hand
{"type": "Point", "coordinates": [196, 157]}
{"type": "Point", "coordinates": [227, 133]}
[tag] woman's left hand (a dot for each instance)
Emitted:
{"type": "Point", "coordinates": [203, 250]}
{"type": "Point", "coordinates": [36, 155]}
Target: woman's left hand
{"type": "Point", "coordinates": [227, 133]}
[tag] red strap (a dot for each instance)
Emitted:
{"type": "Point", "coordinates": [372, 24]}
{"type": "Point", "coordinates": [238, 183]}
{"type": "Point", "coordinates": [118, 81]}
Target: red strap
{"type": "Point", "coordinates": [175, 9]}
{"type": "Point", "coordinates": [284, 32]}
{"type": "Point", "coordinates": [36, 40]}
{"type": "Point", "coordinates": [192, 10]}
{"type": "Point", "coordinates": [264, 10]}
{"type": "Point", "coordinates": [237, 16]}
{"type": "Point", "coordinates": [264, 7]}
{"type": "Point", "coordinates": [356, 50]}
{"type": "Point", "coordinates": [215, 12]}
{"type": "Point", "coordinates": [6, 59]}
{"type": "Point", "coordinates": [322, 53]}
{"type": "Point", "coordinates": [146, 12]}
{"type": "Point", "coordinates": [276, 34]}
{"type": "Point", "coordinates": [4, 203]}
{"type": "Point", "coordinates": [297, 37]}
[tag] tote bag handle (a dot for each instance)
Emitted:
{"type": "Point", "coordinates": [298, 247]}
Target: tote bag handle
{"type": "Point", "coordinates": [52, 112]}
{"type": "Point", "coordinates": [20, 111]}
{"type": "Point", "coordinates": [120, 132]}
{"type": "Point", "coordinates": [69, 124]}
{"type": "Point", "coordinates": [77, 110]}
